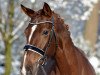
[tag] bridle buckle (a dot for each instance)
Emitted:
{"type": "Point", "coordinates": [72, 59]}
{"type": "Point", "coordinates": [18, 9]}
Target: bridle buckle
{"type": "Point", "coordinates": [43, 60]}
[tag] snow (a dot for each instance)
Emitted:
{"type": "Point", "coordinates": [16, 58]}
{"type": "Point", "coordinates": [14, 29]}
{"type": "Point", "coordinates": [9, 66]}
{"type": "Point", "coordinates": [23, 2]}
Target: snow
{"type": "Point", "coordinates": [94, 61]}
{"type": "Point", "coordinates": [74, 12]}
{"type": "Point", "coordinates": [32, 1]}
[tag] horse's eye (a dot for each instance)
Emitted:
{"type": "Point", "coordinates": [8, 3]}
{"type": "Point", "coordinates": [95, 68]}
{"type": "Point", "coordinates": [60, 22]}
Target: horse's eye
{"type": "Point", "coordinates": [45, 32]}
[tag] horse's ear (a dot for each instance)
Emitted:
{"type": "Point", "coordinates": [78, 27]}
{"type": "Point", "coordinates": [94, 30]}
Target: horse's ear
{"type": "Point", "coordinates": [47, 10]}
{"type": "Point", "coordinates": [27, 11]}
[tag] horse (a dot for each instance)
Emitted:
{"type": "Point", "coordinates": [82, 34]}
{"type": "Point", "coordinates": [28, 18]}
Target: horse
{"type": "Point", "coordinates": [49, 49]}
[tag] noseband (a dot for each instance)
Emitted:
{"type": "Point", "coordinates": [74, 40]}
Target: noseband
{"type": "Point", "coordinates": [39, 50]}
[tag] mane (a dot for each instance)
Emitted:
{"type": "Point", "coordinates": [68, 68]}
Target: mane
{"type": "Point", "coordinates": [59, 23]}
{"type": "Point", "coordinates": [57, 17]}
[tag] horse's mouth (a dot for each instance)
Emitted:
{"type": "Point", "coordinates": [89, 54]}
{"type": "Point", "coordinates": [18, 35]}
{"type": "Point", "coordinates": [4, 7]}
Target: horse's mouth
{"type": "Point", "coordinates": [30, 69]}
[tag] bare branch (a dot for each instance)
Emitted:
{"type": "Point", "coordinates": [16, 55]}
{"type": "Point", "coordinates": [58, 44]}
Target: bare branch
{"type": "Point", "coordinates": [19, 27]}
{"type": "Point", "coordinates": [14, 38]}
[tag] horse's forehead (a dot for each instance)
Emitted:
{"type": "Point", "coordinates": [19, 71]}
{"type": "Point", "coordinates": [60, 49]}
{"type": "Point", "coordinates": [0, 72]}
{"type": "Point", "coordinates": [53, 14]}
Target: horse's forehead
{"type": "Point", "coordinates": [39, 16]}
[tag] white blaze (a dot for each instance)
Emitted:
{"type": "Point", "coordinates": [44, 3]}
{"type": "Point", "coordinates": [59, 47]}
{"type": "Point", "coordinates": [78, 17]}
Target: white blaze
{"type": "Point", "coordinates": [32, 30]}
{"type": "Point", "coordinates": [23, 71]}
{"type": "Point", "coordinates": [23, 67]}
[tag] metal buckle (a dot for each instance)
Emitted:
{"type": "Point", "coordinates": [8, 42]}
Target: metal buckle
{"type": "Point", "coordinates": [43, 60]}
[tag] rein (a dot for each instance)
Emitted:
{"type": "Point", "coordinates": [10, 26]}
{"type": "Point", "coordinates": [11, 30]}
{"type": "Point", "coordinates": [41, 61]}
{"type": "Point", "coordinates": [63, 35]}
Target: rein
{"type": "Point", "coordinates": [39, 50]}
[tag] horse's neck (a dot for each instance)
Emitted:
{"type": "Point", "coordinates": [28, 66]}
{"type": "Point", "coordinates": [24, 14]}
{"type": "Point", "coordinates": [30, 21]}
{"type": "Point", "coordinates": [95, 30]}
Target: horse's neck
{"type": "Point", "coordinates": [70, 60]}
{"type": "Point", "coordinates": [66, 41]}
{"type": "Point", "coordinates": [65, 55]}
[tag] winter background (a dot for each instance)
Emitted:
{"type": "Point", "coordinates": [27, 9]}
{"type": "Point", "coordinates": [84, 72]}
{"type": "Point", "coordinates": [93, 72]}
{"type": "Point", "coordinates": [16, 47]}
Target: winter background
{"type": "Point", "coordinates": [76, 14]}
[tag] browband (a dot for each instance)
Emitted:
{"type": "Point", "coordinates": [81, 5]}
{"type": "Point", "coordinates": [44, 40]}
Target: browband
{"type": "Point", "coordinates": [40, 22]}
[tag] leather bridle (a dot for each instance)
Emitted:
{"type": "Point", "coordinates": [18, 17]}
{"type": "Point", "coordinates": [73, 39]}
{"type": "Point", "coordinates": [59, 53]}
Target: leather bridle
{"type": "Point", "coordinates": [39, 50]}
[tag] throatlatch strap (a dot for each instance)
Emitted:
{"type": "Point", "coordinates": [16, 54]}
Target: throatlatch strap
{"type": "Point", "coordinates": [40, 51]}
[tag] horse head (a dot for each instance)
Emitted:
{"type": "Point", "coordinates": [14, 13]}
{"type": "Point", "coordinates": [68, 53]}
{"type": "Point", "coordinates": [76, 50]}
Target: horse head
{"type": "Point", "coordinates": [42, 38]}
{"type": "Point", "coordinates": [49, 47]}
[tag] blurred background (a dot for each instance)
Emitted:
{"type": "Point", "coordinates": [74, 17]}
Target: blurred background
{"type": "Point", "coordinates": [82, 16]}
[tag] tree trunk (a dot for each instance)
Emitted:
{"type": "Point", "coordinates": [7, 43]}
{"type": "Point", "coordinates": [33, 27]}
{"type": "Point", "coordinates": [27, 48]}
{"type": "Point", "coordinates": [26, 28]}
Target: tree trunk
{"type": "Point", "coordinates": [91, 27]}
{"type": "Point", "coordinates": [8, 36]}
{"type": "Point", "coordinates": [8, 58]}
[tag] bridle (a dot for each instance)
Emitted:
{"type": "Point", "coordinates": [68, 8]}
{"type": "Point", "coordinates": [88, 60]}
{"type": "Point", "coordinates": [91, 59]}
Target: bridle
{"type": "Point", "coordinates": [39, 50]}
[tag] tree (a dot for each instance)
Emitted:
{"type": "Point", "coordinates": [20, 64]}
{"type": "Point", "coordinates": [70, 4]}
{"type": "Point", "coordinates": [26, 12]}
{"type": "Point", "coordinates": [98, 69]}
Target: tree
{"type": "Point", "coordinates": [91, 27]}
{"type": "Point", "coordinates": [6, 31]}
